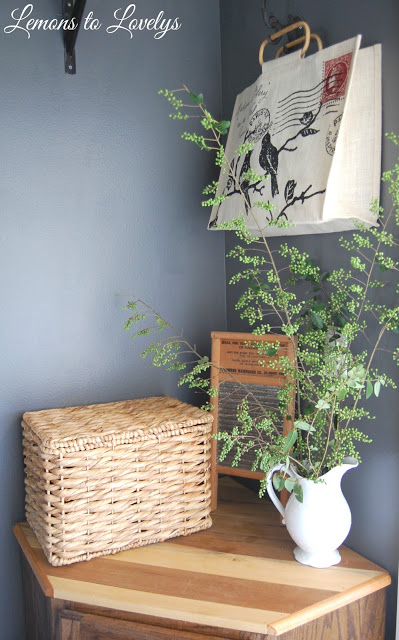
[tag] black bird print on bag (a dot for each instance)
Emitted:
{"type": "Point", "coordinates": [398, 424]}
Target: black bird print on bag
{"type": "Point", "coordinates": [268, 160]}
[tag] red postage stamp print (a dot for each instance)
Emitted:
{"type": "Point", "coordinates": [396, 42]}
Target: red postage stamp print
{"type": "Point", "coordinates": [335, 77]}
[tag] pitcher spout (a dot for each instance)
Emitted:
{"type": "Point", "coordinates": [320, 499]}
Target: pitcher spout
{"type": "Point", "coordinates": [350, 463]}
{"type": "Point", "coordinates": [338, 472]}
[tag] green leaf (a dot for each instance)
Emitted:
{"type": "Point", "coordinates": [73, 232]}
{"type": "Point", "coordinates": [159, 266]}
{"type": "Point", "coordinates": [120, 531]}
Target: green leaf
{"type": "Point", "coordinates": [161, 323]}
{"type": "Point", "coordinates": [271, 351]}
{"type": "Point", "coordinates": [308, 410]}
{"type": "Point", "coordinates": [340, 320]}
{"type": "Point", "coordinates": [319, 306]}
{"type": "Point", "coordinates": [223, 126]}
{"type": "Point", "coordinates": [341, 394]}
{"type": "Point", "coordinates": [278, 482]}
{"type": "Point", "coordinates": [336, 336]}
{"type": "Point", "coordinates": [377, 388]}
{"type": "Point", "coordinates": [369, 389]}
{"type": "Point", "coordinates": [324, 276]}
{"type": "Point", "coordinates": [289, 484]}
{"type": "Point", "coordinates": [317, 320]}
{"type": "Point", "coordinates": [322, 404]}
{"type": "Point", "coordinates": [298, 491]}
{"type": "Point", "coordinates": [290, 440]}
{"type": "Point", "coordinates": [197, 99]}
{"type": "Point", "coordinates": [304, 426]}
{"type": "Point", "coordinates": [201, 144]}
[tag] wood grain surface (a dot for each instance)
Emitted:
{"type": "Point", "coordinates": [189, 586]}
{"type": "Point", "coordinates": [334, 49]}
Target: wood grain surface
{"type": "Point", "coordinates": [239, 575]}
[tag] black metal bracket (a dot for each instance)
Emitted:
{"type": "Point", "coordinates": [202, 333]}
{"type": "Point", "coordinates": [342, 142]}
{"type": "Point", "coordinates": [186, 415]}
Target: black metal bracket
{"type": "Point", "coordinates": [72, 10]}
{"type": "Point", "coordinates": [275, 25]}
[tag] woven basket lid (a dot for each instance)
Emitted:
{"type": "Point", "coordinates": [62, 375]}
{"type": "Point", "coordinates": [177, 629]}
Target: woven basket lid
{"type": "Point", "coordinates": [96, 425]}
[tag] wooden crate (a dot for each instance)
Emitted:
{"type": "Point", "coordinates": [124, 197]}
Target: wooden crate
{"type": "Point", "coordinates": [108, 477]}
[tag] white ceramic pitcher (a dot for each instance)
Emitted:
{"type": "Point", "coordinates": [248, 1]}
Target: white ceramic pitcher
{"type": "Point", "coordinates": [320, 524]}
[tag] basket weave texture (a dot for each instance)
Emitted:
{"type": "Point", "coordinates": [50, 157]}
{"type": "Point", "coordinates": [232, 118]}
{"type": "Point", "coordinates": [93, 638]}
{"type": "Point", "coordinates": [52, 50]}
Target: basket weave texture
{"type": "Point", "coordinates": [105, 478]}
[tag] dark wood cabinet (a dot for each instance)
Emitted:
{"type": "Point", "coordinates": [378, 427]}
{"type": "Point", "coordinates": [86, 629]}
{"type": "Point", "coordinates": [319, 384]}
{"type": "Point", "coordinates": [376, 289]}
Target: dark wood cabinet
{"type": "Point", "coordinates": [235, 581]}
{"type": "Point", "coordinates": [73, 625]}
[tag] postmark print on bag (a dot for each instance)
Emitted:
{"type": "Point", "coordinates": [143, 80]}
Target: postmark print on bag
{"type": "Point", "coordinates": [332, 135]}
{"type": "Point", "coordinates": [258, 126]}
{"type": "Point", "coordinates": [335, 76]}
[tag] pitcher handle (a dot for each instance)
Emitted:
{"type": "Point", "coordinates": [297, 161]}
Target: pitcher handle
{"type": "Point", "coordinates": [270, 489]}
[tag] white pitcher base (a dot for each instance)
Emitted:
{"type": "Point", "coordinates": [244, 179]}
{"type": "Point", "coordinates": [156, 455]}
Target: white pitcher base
{"type": "Point", "coordinates": [317, 560]}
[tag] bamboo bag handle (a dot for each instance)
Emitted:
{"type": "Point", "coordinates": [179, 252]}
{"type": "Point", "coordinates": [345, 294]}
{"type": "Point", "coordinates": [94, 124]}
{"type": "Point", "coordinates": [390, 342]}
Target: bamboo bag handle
{"type": "Point", "coordinates": [282, 32]}
{"type": "Point", "coordinates": [290, 45]}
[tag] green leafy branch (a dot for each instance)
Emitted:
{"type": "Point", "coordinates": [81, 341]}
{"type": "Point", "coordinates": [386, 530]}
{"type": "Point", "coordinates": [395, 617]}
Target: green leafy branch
{"type": "Point", "coordinates": [325, 314]}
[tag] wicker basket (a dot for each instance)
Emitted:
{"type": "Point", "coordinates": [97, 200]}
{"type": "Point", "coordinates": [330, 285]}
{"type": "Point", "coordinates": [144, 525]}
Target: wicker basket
{"type": "Point", "coordinates": [105, 478]}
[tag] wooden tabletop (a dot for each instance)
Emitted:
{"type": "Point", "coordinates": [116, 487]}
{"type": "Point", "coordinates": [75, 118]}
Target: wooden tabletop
{"type": "Point", "coordinates": [240, 574]}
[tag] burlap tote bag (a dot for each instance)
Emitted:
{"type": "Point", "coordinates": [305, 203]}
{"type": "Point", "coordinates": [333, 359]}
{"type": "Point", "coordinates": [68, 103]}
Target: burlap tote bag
{"type": "Point", "coordinates": [314, 125]}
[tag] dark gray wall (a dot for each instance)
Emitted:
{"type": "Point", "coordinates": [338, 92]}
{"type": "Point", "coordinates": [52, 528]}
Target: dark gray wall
{"type": "Point", "coordinates": [371, 489]}
{"type": "Point", "coordinates": [99, 196]}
